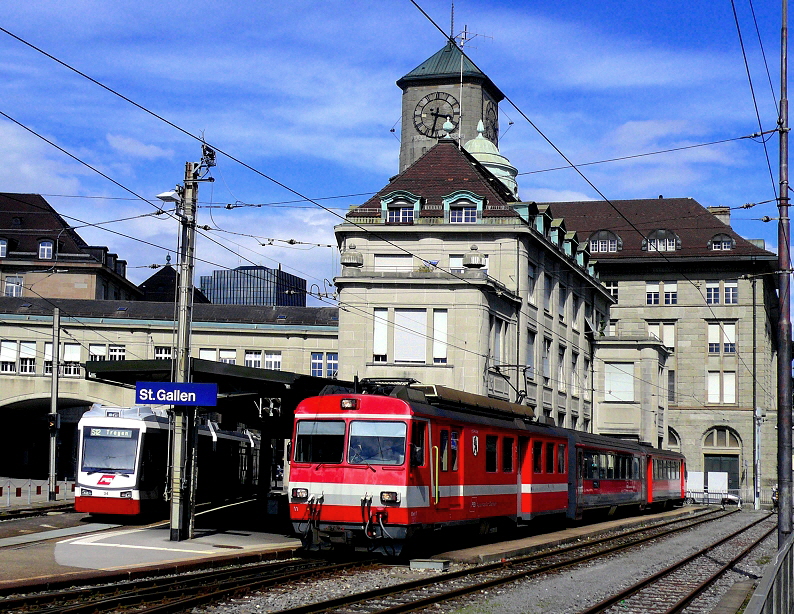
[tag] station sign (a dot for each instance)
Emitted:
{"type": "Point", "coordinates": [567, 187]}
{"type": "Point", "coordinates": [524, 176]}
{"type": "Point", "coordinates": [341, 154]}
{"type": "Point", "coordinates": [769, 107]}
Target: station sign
{"type": "Point", "coordinates": [170, 393]}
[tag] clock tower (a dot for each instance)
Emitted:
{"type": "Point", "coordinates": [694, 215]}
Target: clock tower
{"type": "Point", "coordinates": [445, 87]}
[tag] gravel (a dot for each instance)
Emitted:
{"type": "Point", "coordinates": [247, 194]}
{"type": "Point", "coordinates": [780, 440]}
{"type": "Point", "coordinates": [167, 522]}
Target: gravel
{"type": "Point", "coordinates": [568, 591]}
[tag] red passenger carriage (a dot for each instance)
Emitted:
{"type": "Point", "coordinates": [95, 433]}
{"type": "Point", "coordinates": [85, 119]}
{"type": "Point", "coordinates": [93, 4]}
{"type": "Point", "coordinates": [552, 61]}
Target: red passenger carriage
{"type": "Point", "coordinates": [377, 470]}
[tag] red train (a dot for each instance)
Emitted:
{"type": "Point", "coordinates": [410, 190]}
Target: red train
{"type": "Point", "coordinates": [373, 471]}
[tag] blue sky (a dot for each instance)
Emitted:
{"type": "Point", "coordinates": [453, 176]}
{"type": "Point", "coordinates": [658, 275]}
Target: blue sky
{"type": "Point", "coordinates": [305, 93]}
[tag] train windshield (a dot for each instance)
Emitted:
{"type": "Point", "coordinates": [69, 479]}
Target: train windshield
{"type": "Point", "coordinates": [376, 443]}
{"type": "Point", "coordinates": [109, 449]}
{"type": "Point", "coordinates": [320, 441]}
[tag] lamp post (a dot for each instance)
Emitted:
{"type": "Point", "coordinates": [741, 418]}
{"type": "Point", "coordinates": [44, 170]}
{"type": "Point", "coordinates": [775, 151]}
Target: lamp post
{"type": "Point", "coordinates": [183, 461]}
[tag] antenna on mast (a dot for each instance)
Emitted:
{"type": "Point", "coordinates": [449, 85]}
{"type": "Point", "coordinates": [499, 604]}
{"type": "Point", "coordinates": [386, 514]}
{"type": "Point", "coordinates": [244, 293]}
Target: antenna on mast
{"type": "Point", "coordinates": [452, 23]}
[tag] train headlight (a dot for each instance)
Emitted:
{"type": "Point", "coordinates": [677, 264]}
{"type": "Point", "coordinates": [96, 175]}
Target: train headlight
{"type": "Point", "coordinates": [84, 492]}
{"type": "Point", "coordinates": [389, 497]}
{"type": "Point", "coordinates": [349, 403]}
{"type": "Point", "coordinates": [300, 493]}
{"type": "Point", "coordinates": [126, 494]}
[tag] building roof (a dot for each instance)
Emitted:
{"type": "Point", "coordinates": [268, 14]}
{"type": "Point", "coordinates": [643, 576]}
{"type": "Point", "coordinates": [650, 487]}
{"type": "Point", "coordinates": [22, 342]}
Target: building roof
{"type": "Point", "coordinates": [634, 220]}
{"type": "Point", "coordinates": [162, 287]}
{"type": "Point", "coordinates": [25, 219]}
{"type": "Point", "coordinates": [144, 310]}
{"type": "Point", "coordinates": [446, 64]}
{"type": "Point", "coordinates": [442, 170]}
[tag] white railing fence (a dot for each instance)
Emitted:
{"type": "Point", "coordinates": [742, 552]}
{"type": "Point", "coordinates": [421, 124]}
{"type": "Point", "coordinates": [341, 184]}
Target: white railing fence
{"type": "Point", "coordinates": [22, 491]}
{"type": "Point", "coordinates": [775, 591]}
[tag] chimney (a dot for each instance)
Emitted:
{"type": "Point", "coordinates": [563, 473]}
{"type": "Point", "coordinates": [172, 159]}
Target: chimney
{"type": "Point", "coordinates": [723, 214]}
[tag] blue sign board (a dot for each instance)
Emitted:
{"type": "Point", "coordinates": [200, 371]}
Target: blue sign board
{"type": "Point", "coordinates": [168, 393]}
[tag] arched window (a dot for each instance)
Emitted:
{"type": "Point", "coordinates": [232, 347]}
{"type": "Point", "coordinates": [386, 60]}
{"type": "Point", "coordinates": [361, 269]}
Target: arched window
{"type": "Point", "coordinates": [722, 437]}
{"type": "Point", "coordinates": [673, 440]}
{"type": "Point", "coordinates": [400, 207]}
{"type": "Point", "coordinates": [605, 241]}
{"type": "Point", "coordinates": [661, 240]}
{"type": "Point", "coordinates": [721, 243]}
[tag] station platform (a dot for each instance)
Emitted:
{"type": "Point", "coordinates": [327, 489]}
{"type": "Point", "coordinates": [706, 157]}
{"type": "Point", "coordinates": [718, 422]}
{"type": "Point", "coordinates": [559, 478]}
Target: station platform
{"type": "Point", "coordinates": [69, 556]}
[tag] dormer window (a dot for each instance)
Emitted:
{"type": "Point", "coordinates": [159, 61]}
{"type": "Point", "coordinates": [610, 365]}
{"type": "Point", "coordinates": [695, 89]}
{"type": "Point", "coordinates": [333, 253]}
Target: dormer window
{"type": "Point", "coordinates": [661, 241]}
{"type": "Point", "coordinates": [3, 248]}
{"type": "Point", "coordinates": [604, 242]}
{"type": "Point", "coordinates": [400, 207]}
{"type": "Point", "coordinates": [463, 207]}
{"type": "Point", "coordinates": [721, 243]}
{"type": "Point", "coordinates": [45, 250]}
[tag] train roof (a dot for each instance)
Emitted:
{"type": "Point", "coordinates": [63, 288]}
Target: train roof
{"type": "Point", "coordinates": [137, 412]}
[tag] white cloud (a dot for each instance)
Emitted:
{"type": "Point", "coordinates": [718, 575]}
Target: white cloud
{"type": "Point", "coordinates": [133, 147]}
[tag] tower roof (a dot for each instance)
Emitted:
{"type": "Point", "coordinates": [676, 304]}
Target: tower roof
{"type": "Point", "coordinates": [445, 65]}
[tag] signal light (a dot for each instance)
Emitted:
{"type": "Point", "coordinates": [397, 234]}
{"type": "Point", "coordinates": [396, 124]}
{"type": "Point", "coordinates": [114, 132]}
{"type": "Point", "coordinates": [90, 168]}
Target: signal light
{"type": "Point", "coordinates": [53, 421]}
{"type": "Point", "coordinates": [389, 497]}
{"type": "Point", "coordinates": [300, 493]}
{"type": "Point", "coordinates": [349, 403]}
{"type": "Point", "coordinates": [126, 494]}
{"type": "Point", "coordinates": [84, 492]}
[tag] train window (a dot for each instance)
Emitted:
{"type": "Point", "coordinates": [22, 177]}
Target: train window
{"type": "Point", "coordinates": [549, 458]}
{"type": "Point", "coordinates": [602, 466]}
{"type": "Point", "coordinates": [561, 458]}
{"type": "Point", "coordinates": [537, 456]}
{"type": "Point", "coordinates": [454, 438]}
{"type": "Point", "coordinates": [319, 441]}
{"type": "Point", "coordinates": [635, 466]}
{"type": "Point", "coordinates": [418, 444]}
{"type": "Point", "coordinates": [490, 453]}
{"type": "Point", "coordinates": [109, 449]}
{"type": "Point", "coordinates": [610, 466]}
{"type": "Point", "coordinates": [376, 443]}
{"type": "Point", "coordinates": [590, 466]}
{"type": "Point", "coordinates": [507, 454]}
{"type": "Point", "coordinates": [444, 450]}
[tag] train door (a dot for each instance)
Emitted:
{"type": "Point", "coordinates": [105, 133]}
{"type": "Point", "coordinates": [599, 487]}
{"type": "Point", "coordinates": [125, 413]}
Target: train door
{"type": "Point", "coordinates": [447, 467]}
{"type": "Point", "coordinates": [524, 479]}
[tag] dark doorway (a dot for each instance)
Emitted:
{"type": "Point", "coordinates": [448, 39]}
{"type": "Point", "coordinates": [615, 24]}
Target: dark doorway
{"type": "Point", "coordinates": [728, 463]}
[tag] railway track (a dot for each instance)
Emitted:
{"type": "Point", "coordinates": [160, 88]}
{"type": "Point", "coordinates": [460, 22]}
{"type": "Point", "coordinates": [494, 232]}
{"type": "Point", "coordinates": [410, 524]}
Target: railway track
{"type": "Point", "coordinates": [675, 588]}
{"type": "Point", "coordinates": [427, 592]}
{"type": "Point", "coordinates": [173, 593]}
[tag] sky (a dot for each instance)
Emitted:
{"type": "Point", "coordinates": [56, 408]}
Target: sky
{"type": "Point", "coordinates": [304, 93]}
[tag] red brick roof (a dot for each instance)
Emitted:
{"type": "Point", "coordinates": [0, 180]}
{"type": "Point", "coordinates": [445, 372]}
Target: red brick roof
{"type": "Point", "coordinates": [442, 170]}
{"type": "Point", "coordinates": [633, 220]}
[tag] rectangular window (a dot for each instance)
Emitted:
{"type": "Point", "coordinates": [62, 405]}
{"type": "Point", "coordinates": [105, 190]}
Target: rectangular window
{"type": "Point", "coordinates": [463, 215]}
{"type": "Point", "coordinates": [228, 357]}
{"type": "Point", "coordinates": [97, 352]}
{"type": "Point", "coordinates": [456, 264]}
{"type": "Point", "coordinates": [549, 458]}
{"type": "Point", "coordinates": [491, 453]}
{"type": "Point", "coordinates": [561, 380]}
{"type": "Point", "coordinates": [162, 352]}
{"type": "Point", "coordinates": [498, 332]}
{"type": "Point", "coordinates": [319, 441]}
{"type": "Point", "coordinates": [392, 263]}
{"type": "Point", "coordinates": [376, 443]}
{"type": "Point", "coordinates": [530, 370]}
{"type": "Point", "coordinates": [537, 457]}
{"type": "Point", "coordinates": [207, 354]}
{"type": "Point", "coordinates": [664, 332]}
{"type": "Point", "coordinates": [410, 335]}
{"type": "Point", "coordinates": [507, 454]}
{"type": "Point", "coordinates": [713, 385]}
{"type": "Point", "coordinates": [418, 444]}
{"type": "Point", "coordinates": [3, 248]}
{"type": "Point", "coordinates": [729, 387]}
{"type": "Point", "coordinates": [379, 335]}
{"type": "Point", "coordinates": [532, 273]}
{"type": "Point", "coordinates": [331, 364]}
{"type": "Point", "coordinates": [561, 458]}
{"type": "Point", "coordinates": [574, 374]}
{"type": "Point", "coordinates": [71, 359]}
{"type": "Point", "coordinates": [439, 336]}
{"type": "Point", "coordinates": [563, 302]}
{"type": "Point", "coordinates": [253, 358]}
{"type": "Point", "coordinates": [712, 293]}
{"type": "Point", "coordinates": [401, 215]}
{"type": "Point", "coordinates": [721, 386]}
{"type": "Point", "coordinates": [8, 356]}
{"type": "Point", "coordinates": [45, 250]}
{"type": "Point", "coordinates": [13, 286]}
{"type": "Point", "coordinates": [619, 381]}
{"type": "Point", "coordinates": [670, 293]}
{"type": "Point", "coordinates": [317, 364]}
{"type": "Point", "coordinates": [731, 292]}
{"type": "Point", "coordinates": [576, 308]}
{"type": "Point", "coordinates": [443, 449]}
{"type": "Point", "coordinates": [548, 287]}
{"type": "Point", "coordinates": [48, 358]}
{"type": "Point", "coordinates": [729, 337]}
{"type": "Point", "coordinates": [27, 357]}
{"type": "Point", "coordinates": [454, 441]}
{"type": "Point", "coordinates": [545, 361]}
{"type": "Point", "coordinates": [612, 288]}
{"type": "Point", "coordinates": [651, 293]}
{"type": "Point", "coordinates": [117, 352]}
{"type": "Point", "coordinates": [671, 386]}
{"type": "Point", "coordinates": [714, 338]}
{"type": "Point", "coordinates": [273, 360]}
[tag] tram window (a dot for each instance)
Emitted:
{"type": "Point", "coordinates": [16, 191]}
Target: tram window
{"type": "Point", "coordinates": [418, 444]}
{"type": "Point", "coordinates": [635, 465]}
{"type": "Point", "coordinates": [561, 458]}
{"type": "Point", "coordinates": [319, 441]}
{"type": "Point", "coordinates": [454, 439]}
{"type": "Point", "coordinates": [602, 466]}
{"type": "Point", "coordinates": [610, 466]}
{"type": "Point", "coordinates": [537, 457]}
{"type": "Point", "coordinates": [444, 449]}
{"type": "Point", "coordinates": [590, 466]}
{"type": "Point", "coordinates": [507, 454]}
{"type": "Point", "coordinates": [109, 449]}
{"type": "Point", "coordinates": [376, 443]}
{"type": "Point", "coordinates": [549, 458]}
{"type": "Point", "coordinates": [490, 453]}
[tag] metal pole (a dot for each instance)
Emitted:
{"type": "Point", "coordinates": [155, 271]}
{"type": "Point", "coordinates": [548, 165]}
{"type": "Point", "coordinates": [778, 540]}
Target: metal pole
{"type": "Point", "coordinates": [181, 522]}
{"type": "Point", "coordinates": [756, 417]}
{"type": "Point", "coordinates": [56, 342]}
{"type": "Point", "coordinates": [784, 326]}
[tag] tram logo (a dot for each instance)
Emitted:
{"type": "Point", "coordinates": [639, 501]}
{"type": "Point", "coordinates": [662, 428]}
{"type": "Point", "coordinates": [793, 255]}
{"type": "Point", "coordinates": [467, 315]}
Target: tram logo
{"type": "Point", "coordinates": [105, 480]}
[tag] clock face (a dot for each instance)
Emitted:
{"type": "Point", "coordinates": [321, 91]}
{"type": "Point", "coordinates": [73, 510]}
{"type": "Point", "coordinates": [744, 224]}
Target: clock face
{"type": "Point", "coordinates": [433, 111]}
{"type": "Point", "coordinates": [491, 122]}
